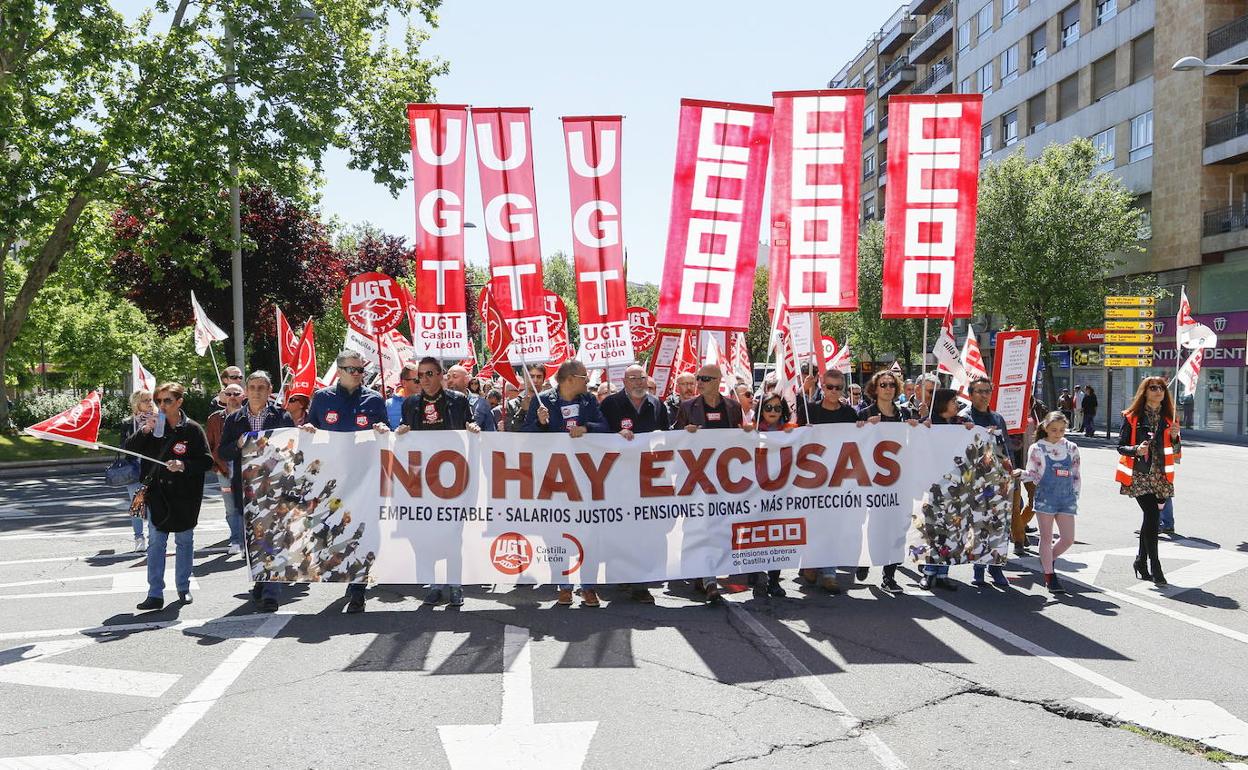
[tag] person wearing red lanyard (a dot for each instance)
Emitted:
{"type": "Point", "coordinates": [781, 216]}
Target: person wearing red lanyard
{"type": "Point", "coordinates": [709, 410]}
{"type": "Point", "coordinates": [882, 407]}
{"type": "Point", "coordinates": [568, 407]}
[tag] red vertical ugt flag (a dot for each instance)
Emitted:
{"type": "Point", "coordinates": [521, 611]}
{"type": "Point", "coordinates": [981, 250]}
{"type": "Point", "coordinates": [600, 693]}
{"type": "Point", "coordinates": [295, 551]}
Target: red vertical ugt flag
{"type": "Point", "coordinates": [505, 164]}
{"type": "Point", "coordinates": [593, 147]}
{"type": "Point", "coordinates": [717, 201]}
{"type": "Point", "coordinates": [437, 312]}
{"type": "Point", "coordinates": [817, 147]}
{"type": "Point", "coordinates": [929, 227]}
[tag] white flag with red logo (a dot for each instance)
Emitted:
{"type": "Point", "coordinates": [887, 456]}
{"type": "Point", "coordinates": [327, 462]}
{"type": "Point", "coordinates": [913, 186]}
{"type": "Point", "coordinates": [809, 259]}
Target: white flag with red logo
{"type": "Point", "coordinates": [739, 357]}
{"type": "Point", "coordinates": [1191, 334]}
{"type": "Point", "coordinates": [303, 369]}
{"type": "Point", "coordinates": [287, 342]}
{"type": "Point", "coordinates": [79, 425]}
{"type": "Point", "coordinates": [946, 348]}
{"type": "Point", "coordinates": [206, 332]}
{"type": "Point", "coordinates": [1189, 373]}
{"type": "Point", "coordinates": [593, 146]}
{"type": "Point", "coordinates": [140, 377]}
{"type": "Point", "coordinates": [840, 358]}
{"type": "Point", "coordinates": [972, 365]}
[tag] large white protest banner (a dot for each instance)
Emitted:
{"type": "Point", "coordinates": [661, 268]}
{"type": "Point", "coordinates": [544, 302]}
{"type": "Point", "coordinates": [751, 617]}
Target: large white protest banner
{"type": "Point", "coordinates": [448, 506]}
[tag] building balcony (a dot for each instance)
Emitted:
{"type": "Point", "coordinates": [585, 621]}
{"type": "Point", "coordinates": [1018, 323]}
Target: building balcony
{"type": "Point", "coordinates": [897, 30]}
{"type": "Point", "coordinates": [938, 78]}
{"type": "Point", "coordinates": [1225, 229]}
{"type": "Point", "coordinates": [1226, 138]}
{"type": "Point", "coordinates": [932, 37]}
{"type": "Point", "coordinates": [896, 76]}
{"type": "Point", "coordinates": [1228, 43]}
{"type": "Point", "coordinates": [881, 134]}
{"type": "Point", "coordinates": [922, 6]}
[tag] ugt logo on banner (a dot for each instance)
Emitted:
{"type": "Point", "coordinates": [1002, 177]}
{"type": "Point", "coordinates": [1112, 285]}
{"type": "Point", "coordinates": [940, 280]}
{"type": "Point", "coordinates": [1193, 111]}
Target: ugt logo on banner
{"type": "Point", "coordinates": [372, 303]}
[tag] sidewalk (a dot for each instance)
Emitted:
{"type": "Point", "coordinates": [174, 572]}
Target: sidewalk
{"type": "Point", "coordinates": [26, 469]}
{"type": "Point", "coordinates": [1191, 437]}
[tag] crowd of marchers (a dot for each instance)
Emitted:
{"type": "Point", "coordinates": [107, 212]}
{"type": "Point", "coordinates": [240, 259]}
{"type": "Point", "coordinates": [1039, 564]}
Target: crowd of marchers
{"type": "Point", "coordinates": [1045, 463]}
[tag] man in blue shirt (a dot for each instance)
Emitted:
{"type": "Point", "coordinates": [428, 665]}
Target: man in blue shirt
{"type": "Point", "coordinates": [980, 413]}
{"type": "Point", "coordinates": [457, 380]}
{"type": "Point", "coordinates": [345, 408]}
{"type": "Point", "coordinates": [409, 385]}
{"type": "Point", "coordinates": [568, 407]}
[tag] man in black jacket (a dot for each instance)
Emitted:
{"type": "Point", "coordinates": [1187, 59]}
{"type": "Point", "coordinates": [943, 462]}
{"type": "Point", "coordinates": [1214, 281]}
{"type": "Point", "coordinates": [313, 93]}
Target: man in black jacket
{"type": "Point", "coordinates": [631, 411]}
{"type": "Point", "coordinates": [436, 408]}
{"type": "Point", "coordinates": [257, 415]}
{"type": "Point", "coordinates": [175, 490]}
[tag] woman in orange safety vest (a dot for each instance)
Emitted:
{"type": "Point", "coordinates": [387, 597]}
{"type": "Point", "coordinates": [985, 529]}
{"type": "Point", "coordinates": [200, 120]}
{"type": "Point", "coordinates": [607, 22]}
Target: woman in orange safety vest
{"type": "Point", "coordinates": [1148, 449]}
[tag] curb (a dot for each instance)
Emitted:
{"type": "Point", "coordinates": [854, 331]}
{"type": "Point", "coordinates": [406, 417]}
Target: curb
{"type": "Point", "coordinates": [39, 468]}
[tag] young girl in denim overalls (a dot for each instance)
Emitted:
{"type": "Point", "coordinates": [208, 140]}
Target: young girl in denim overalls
{"type": "Point", "coordinates": [1053, 466]}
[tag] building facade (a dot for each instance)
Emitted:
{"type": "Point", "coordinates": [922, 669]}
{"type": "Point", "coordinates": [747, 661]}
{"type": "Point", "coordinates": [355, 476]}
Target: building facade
{"type": "Point", "coordinates": [1054, 70]}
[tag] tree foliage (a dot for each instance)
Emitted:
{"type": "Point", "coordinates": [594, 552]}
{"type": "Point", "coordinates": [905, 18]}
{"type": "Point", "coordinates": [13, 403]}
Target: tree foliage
{"type": "Point", "coordinates": [93, 106]}
{"type": "Point", "coordinates": [1049, 233]}
{"type": "Point", "coordinates": [872, 336]}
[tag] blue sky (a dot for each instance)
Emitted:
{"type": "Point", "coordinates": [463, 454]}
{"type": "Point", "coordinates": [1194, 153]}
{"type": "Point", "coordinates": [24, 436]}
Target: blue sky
{"type": "Point", "coordinates": [637, 59]}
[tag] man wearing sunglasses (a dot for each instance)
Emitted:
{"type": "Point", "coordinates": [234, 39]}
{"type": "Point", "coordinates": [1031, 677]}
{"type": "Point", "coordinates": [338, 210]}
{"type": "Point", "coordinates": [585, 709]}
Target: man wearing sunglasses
{"type": "Point", "coordinates": [980, 413]}
{"type": "Point", "coordinates": [346, 407]}
{"type": "Point", "coordinates": [409, 385]}
{"type": "Point", "coordinates": [709, 410]}
{"type": "Point", "coordinates": [433, 407]}
{"type": "Point", "coordinates": [832, 409]}
{"type": "Point", "coordinates": [230, 375]}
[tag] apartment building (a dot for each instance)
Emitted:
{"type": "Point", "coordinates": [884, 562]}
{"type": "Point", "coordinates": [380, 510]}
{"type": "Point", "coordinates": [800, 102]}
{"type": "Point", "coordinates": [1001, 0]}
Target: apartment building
{"type": "Point", "coordinates": [1053, 70]}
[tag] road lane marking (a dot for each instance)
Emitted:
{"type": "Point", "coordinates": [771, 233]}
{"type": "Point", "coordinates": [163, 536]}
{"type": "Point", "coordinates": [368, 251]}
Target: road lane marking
{"type": "Point", "coordinates": [27, 665]}
{"type": "Point", "coordinates": [117, 533]}
{"type": "Point", "coordinates": [815, 686]}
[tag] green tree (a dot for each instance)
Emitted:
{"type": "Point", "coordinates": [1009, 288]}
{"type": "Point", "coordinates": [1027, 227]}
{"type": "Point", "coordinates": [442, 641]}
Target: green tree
{"type": "Point", "coordinates": [1049, 234]}
{"type": "Point", "coordinates": [559, 276]}
{"type": "Point", "coordinates": [870, 334]}
{"type": "Point", "coordinates": [93, 108]}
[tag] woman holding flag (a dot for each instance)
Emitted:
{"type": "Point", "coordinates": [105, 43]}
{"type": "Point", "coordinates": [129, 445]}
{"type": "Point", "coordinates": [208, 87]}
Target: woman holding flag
{"type": "Point", "coordinates": [1149, 448]}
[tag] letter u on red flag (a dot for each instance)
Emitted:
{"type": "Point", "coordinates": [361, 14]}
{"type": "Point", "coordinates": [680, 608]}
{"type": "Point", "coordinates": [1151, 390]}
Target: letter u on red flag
{"type": "Point", "coordinates": [593, 145]}
{"type": "Point", "coordinates": [717, 201]}
{"type": "Point", "coordinates": [508, 192]}
{"type": "Point", "coordinates": [929, 227]}
{"type": "Point", "coordinates": [438, 313]}
{"type": "Point", "coordinates": [817, 147]}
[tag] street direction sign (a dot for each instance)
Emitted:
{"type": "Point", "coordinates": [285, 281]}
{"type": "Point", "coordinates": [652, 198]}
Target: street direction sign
{"type": "Point", "coordinates": [1130, 312]}
{"type": "Point", "coordinates": [1128, 350]}
{"type": "Point", "coordinates": [1129, 301]}
{"type": "Point", "coordinates": [1130, 338]}
{"type": "Point", "coordinates": [1128, 326]}
{"type": "Point", "coordinates": [1128, 362]}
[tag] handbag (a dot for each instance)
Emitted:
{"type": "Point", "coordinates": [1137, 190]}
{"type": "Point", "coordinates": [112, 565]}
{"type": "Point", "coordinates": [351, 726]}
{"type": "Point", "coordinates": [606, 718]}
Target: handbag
{"type": "Point", "coordinates": [122, 473]}
{"type": "Point", "coordinates": [138, 506]}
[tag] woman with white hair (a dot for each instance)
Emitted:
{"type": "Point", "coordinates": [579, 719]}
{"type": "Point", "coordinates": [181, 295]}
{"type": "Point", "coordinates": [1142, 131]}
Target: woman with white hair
{"type": "Point", "coordinates": [140, 407]}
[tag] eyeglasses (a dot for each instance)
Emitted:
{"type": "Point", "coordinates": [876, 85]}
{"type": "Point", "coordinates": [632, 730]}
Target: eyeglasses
{"type": "Point", "coordinates": [706, 378]}
{"type": "Point", "coordinates": [428, 373]}
{"type": "Point", "coordinates": [1155, 386]}
{"type": "Point", "coordinates": [635, 377]}
{"type": "Point", "coordinates": [232, 377]}
{"type": "Point", "coordinates": [892, 385]}
{"type": "Point", "coordinates": [981, 391]}
{"type": "Point", "coordinates": [771, 408]}
{"type": "Point", "coordinates": [832, 386]}
{"type": "Point", "coordinates": [164, 401]}
{"type": "Point", "coordinates": [352, 369]}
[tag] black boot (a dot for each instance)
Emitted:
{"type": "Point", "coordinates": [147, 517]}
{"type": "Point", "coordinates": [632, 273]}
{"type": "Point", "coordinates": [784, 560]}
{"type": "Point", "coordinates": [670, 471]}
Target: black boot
{"type": "Point", "coordinates": [1141, 569]}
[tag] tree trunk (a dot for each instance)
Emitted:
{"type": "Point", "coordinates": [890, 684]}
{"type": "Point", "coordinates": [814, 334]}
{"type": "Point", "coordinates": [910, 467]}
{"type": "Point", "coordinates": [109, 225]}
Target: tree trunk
{"type": "Point", "coordinates": [1050, 379]}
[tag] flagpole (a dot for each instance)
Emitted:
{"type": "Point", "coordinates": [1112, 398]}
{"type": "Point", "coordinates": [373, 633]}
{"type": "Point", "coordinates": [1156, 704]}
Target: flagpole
{"type": "Point", "coordinates": [924, 369]}
{"type": "Point", "coordinates": [1178, 352]}
{"type": "Point", "coordinates": [216, 368]}
{"type": "Point", "coordinates": [133, 454]}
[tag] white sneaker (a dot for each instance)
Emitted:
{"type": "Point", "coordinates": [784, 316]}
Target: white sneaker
{"type": "Point", "coordinates": [235, 549]}
{"type": "Point", "coordinates": [140, 544]}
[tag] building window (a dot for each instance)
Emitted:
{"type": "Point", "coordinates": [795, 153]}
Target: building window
{"type": "Point", "coordinates": [1037, 47]}
{"type": "Point", "coordinates": [868, 120]}
{"type": "Point", "coordinates": [985, 20]}
{"type": "Point", "coordinates": [985, 141]}
{"type": "Point", "coordinates": [1142, 57]}
{"type": "Point", "coordinates": [1102, 77]}
{"type": "Point", "coordinates": [983, 79]}
{"type": "Point", "coordinates": [1009, 8]}
{"type": "Point", "coordinates": [869, 79]}
{"type": "Point", "coordinates": [1142, 136]}
{"type": "Point", "coordinates": [1105, 10]}
{"type": "Point", "coordinates": [868, 164]}
{"type": "Point", "coordinates": [1009, 64]}
{"type": "Point", "coordinates": [1035, 113]}
{"type": "Point", "coordinates": [1070, 25]}
{"type": "Point", "coordinates": [1009, 128]}
{"type": "Point", "coordinates": [1068, 97]}
{"type": "Point", "coordinates": [964, 36]}
{"type": "Point", "coordinates": [965, 87]}
{"type": "Point", "coordinates": [1103, 143]}
{"type": "Point", "coordinates": [868, 207]}
{"type": "Point", "coordinates": [1144, 231]}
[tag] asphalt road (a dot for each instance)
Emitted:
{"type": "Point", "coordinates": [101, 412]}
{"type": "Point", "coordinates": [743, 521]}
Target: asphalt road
{"type": "Point", "coordinates": [975, 678]}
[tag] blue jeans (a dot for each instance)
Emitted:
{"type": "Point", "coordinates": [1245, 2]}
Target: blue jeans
{"type": "Point", "coordinates": [233, 516]}
{"type": "Point", "coordinates": [935, 570]}
{"type": "Point", "coordinates": [1167, 514]}
{"type": "Point", "coordinates": [157, 541]}
{"type": "Point", "coordinates": [135, 521]}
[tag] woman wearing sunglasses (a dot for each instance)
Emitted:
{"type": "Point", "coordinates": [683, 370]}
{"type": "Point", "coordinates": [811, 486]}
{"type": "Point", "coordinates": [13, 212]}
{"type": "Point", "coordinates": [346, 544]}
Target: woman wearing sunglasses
{"type": "Point", "coordinates": [1148, 448]}
{"type": "Point", "coordinates": [773, 415]}
{"type": "Point", "coordinates": [882, 406]}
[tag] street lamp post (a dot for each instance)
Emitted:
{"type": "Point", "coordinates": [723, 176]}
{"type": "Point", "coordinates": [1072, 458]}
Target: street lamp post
{"type": "Point", "coordinates": [305, 15]}
{"type": "Point", "coordinates": [1190, 63]}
